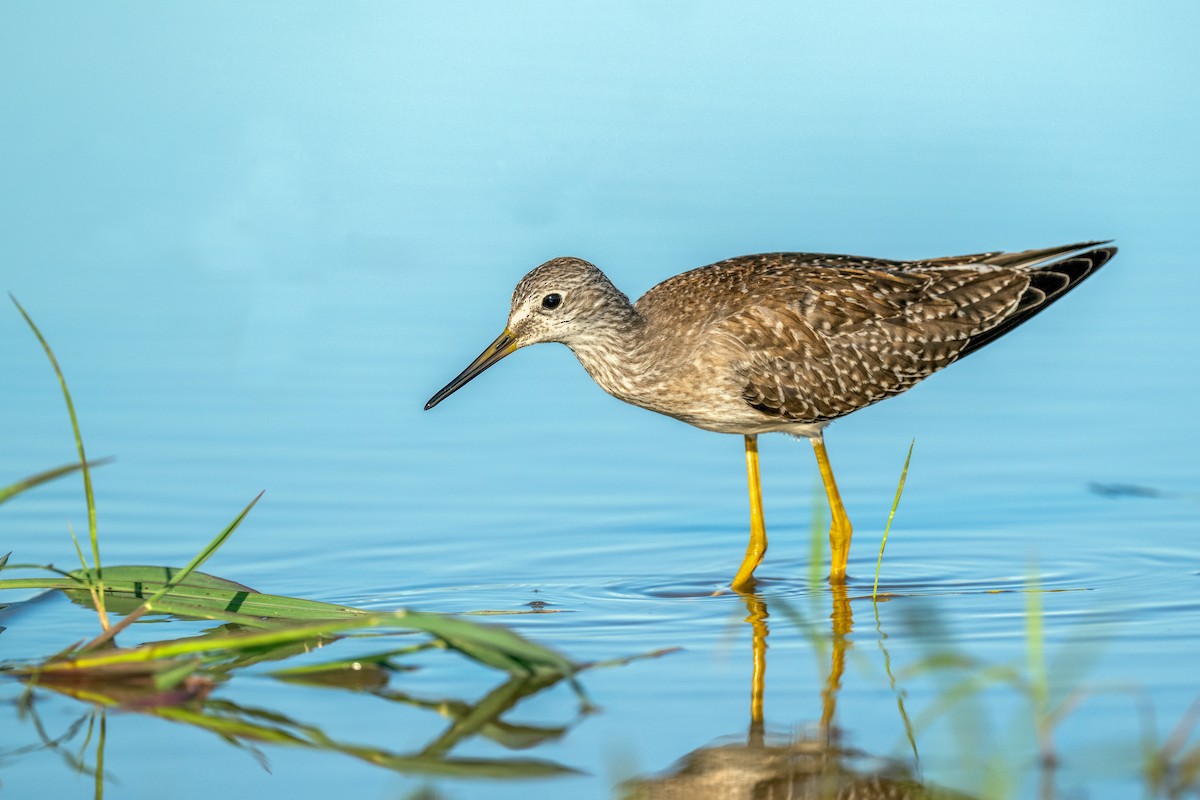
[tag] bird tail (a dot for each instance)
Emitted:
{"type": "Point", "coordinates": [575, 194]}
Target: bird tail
{"type": "Point", "coordinates": [1048, 281]}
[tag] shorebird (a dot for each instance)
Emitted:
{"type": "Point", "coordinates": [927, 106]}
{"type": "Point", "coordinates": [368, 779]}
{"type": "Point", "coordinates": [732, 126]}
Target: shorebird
{"type": "Point", "coordinates": [783, 342]}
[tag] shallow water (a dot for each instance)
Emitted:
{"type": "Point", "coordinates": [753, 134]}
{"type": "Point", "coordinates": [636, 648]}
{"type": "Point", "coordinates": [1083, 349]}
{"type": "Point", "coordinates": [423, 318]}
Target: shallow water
{"type": "Point", "coordinates": [259, 245]}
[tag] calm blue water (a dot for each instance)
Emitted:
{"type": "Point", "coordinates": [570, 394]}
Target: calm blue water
{"type": "Point", "coordinates": [259, 238]}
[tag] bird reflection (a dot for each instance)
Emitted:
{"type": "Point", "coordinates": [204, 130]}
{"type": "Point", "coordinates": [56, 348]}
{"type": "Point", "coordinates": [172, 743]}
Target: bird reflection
{"type": "Point", "coordinates": [810, 767]}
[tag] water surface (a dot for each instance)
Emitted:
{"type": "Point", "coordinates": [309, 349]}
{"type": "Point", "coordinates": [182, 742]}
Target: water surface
{"type": "Point", "coordinates": [258, 244]}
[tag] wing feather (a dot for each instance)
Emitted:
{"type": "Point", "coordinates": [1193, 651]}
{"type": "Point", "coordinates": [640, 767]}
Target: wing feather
{"type": "Point", "coordinates": [858, 336]}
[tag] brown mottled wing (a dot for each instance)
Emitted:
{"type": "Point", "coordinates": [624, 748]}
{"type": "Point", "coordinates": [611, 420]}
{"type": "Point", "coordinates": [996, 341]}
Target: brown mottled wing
{"type": "Point", "coordinates": [1024, 259]}
{"type": "Point", "coordinates": [843, 338]}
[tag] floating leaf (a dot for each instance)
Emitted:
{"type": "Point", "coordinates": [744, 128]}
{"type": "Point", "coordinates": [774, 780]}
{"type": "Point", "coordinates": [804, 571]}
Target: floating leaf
{"type": "Point", "coordinates": [199, 596]}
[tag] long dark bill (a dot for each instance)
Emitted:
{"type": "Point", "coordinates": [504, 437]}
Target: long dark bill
{"type": "Point", "coordinates": [505, 343]}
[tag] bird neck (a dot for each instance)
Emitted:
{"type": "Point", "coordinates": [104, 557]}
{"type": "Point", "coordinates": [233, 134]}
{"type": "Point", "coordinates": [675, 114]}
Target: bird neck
{"type": "Point", "coordinates": [613, 353]}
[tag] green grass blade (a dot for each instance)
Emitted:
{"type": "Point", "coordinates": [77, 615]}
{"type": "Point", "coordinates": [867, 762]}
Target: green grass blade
{"type": "Point", "coordinates": [204, 554]}
{"type": "Point", "coordinates": [93, 585]}
{"type": "Point", "coordinates": [892, 515]}
{"type": "Point", "coordinates": [200, 596]}
{"type": "Point", "coordinates": [1039, 684]}
{"type": "Point", "coordinates": [282, 620]}
{"type": "Point", "coordinates": [79, 551]}
{"type": "Point", "coordinates": [12, 490]}
{"type": "Point", "coordinates": [495, 647]}
{"type": "Point", "coordinates": [967, 687]}
{"type": "Point", "coordinates": [175, 579]}
{"type": "Point", "coordinates": [159, 576]}
{"type": "Point", "coordinates": [83, 462]}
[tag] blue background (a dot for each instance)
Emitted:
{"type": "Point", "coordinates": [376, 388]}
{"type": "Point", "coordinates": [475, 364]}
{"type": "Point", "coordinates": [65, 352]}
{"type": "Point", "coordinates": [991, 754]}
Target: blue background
{"type": "Point", "coordinates": [260, 236]}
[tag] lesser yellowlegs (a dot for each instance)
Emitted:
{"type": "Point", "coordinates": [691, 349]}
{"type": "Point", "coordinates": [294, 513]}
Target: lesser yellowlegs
{"type": "Point", "coordinates": [783, 342]}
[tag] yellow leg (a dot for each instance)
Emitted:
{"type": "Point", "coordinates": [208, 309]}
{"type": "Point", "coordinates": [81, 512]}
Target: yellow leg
{"type": "Point", "coordinates": [744, 580]}
{"type": "Point", "coordinates": [839, 530]}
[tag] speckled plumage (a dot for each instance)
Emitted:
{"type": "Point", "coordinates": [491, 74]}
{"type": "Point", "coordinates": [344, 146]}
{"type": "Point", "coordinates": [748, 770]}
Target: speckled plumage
{"type": "Point", "coordinates": [789, 341]}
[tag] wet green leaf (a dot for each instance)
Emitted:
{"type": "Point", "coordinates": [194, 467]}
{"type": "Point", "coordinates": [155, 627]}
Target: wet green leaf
{"type": "Point", "coordinates": [494, 647]}
{"type": "Point", "coordinates": [200, 596]}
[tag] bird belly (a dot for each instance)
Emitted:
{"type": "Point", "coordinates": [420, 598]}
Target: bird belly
{"type": "Point", "coordinates": [716, 408]}
{"type": "Point", "coordinates": [695, 386]}
{"type": "Point", "coordinates": [755, 426]}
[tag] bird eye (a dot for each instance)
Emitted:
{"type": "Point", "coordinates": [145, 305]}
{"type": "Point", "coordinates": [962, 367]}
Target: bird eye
{"type": "Point", "coordinates": [553, 300]}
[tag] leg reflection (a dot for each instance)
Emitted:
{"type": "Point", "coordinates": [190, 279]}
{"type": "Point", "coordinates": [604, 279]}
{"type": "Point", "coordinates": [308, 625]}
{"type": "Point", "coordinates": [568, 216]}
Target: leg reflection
{"type": "Point", "coordinates": [842, 623]}
{"type": "Point", "coordinates": [795, 766]}
{"type": "Point", "coordinates": [756, 610]}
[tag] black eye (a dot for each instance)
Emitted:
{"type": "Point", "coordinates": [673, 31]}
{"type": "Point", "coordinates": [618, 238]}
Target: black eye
{"type": "Point", "coordinates": [553, 300]}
